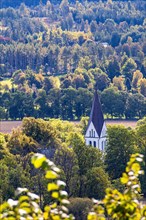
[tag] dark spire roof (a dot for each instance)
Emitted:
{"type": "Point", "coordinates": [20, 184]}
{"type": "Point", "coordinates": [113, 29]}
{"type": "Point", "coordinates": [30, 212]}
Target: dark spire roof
{"type": "Point", "coordinates": [96, 115]}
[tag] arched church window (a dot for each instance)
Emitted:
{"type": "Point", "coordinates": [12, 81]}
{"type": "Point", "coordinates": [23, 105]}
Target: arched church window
{"type": "Point", "coordinates": [90, 142]}
{"type": "Point", "coordinates": [94, 133]}
{"type": "Point", "coordinates": [89, 133]}
{"type": "Point", "coordinates": [94, 143]}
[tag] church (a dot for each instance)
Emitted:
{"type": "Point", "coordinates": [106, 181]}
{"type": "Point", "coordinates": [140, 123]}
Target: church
{"type": "Point", "coordinates": [96, 129]}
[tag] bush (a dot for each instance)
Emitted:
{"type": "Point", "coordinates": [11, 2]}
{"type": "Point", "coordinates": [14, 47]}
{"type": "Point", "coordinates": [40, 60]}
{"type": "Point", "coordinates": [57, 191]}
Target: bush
{"type": "Point", "coordinates": [80, 207]}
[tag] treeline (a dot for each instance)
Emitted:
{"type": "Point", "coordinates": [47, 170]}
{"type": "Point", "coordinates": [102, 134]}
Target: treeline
{"type": "Point", "coordinates": [70, 97]}
{"type": "Point", "coordinates": [86, 171]}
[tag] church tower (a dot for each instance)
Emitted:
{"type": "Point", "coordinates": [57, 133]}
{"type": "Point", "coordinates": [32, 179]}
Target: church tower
{"type": "Point", "coordinates": [96, 129]}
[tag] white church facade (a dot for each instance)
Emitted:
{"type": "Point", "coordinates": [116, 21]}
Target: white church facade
{"type": "Point", "coordinates": [96, 130]}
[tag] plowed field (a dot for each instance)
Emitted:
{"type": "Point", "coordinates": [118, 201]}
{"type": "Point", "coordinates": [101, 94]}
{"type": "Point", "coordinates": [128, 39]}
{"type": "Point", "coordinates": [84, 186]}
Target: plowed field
{"type": "Point", "coordinates": [8, 126]}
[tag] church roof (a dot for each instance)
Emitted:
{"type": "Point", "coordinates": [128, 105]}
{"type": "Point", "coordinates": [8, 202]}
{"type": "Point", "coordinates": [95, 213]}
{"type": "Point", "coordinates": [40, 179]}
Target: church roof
{"type": "Point", "coordinates": [96, 115]}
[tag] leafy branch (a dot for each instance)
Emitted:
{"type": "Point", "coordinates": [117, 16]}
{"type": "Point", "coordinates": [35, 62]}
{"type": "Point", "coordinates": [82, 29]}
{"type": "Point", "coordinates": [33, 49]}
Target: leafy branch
{"type": "Point", "coordinates": [124, 206]}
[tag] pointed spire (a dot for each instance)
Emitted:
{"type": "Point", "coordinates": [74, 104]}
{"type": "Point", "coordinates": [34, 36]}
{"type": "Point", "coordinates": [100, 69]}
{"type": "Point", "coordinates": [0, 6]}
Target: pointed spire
{"type": "Point", "coordinates": [96, 115]}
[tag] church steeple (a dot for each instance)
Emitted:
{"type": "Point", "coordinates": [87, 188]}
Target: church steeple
{"type": "Point", "coordinates": [96, 129]}
{"type": "Point", "coordinates": [96, 115]}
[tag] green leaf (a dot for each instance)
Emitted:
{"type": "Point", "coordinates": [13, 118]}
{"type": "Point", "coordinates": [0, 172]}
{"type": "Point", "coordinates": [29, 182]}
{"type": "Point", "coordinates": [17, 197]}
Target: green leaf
{"type": "Point", "coordinates": [63, 194]}
{"type": "Point", "coordinates": [56, 169]}
{"type": "Point", "coordinates": [27, 209]}
{"type": "Point", "coordinates": [61, 183]}
{"type": "Point", "coordinates": [55, 195]}
{"type": "Point", "coordinates": [92, 216]}
{"type": "Point", "coordinates": [20, 190]}
{"type": "Point", "coordinates": [51, 175]}
{"type": "Point", "coordinates": [124, 179]}
{"type": "Point", "coordinates": [64, 208]}
{"type": "Point", "coordinates": [65, 202]}
{"type": "Point", "coordinates": [52, 186]}
{"type": "Point", "coordinates": [135, 167]}
{"type": "Point", "coordinates": [37, 160]}
{"type": "Point", "coordinates": [4, 206]}
{"type": "Point", "coordinates": [135, 186]}
{"type": "Point", "coordinates": [139, 159]}
{"type": "Point", "coordinates": [12, 202]}
{"type": "Point", "coordinates": [24, 205]}
{"type": "Point", "coordinates": [33, 196]}
{"type": "Point", "coordinates": [22, 212]}
{"type": "Point", "coordinates": [23, 198]}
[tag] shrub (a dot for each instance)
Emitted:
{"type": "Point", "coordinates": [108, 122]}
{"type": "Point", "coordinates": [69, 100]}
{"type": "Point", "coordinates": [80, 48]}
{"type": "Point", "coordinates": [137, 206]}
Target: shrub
{"type": "Point", "coordinates": [80, 207]}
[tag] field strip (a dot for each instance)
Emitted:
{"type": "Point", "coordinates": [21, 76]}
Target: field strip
{"type": "Point", "coordinates": [8, 126]}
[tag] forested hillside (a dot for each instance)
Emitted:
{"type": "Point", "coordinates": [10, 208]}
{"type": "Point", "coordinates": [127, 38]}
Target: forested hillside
{"type": "Point", "coordinates": [53, 54]}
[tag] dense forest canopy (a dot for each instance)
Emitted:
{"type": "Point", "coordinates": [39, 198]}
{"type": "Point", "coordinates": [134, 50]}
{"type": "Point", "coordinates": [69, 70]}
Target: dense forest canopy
{"type": "Point", "coordinates": [7, 3]}
{"type": "Point", "coordinates": [53, 55]}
